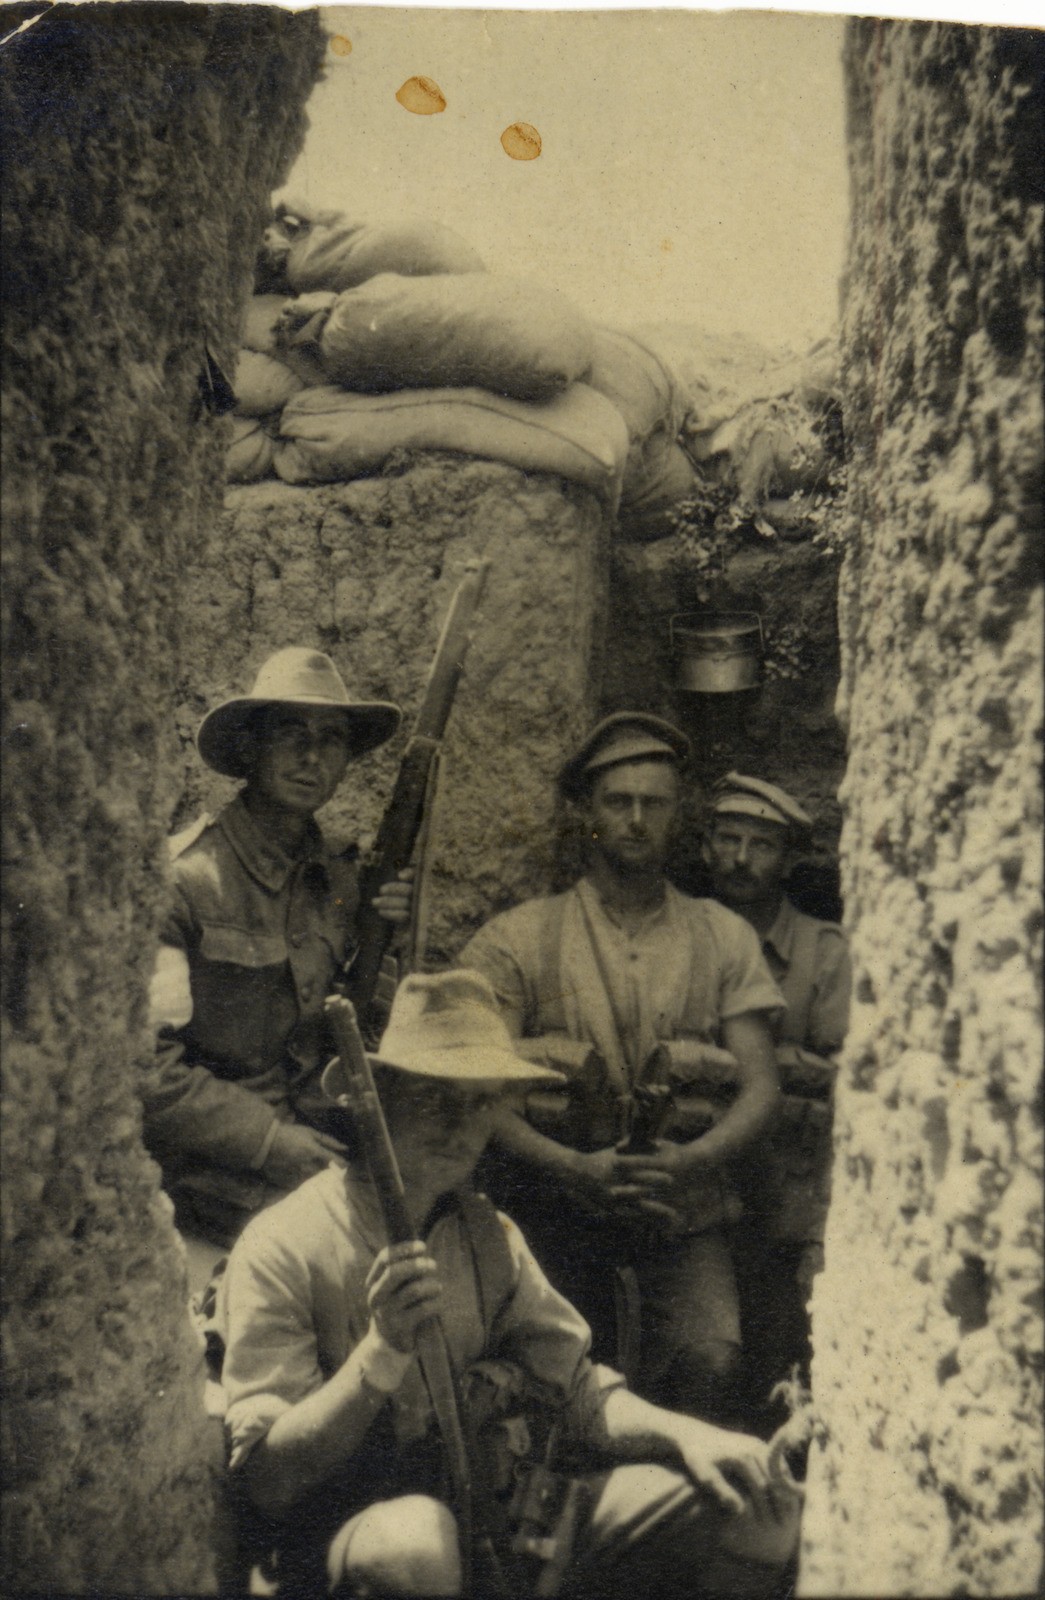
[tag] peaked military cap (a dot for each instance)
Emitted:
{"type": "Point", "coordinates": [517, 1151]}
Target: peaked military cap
{"type": "Point", "coordinates": [624, 736]}
{"type": "Point", "coordinates": [738, 795]}
{"type": "Point", "coordinates": [298, 677]}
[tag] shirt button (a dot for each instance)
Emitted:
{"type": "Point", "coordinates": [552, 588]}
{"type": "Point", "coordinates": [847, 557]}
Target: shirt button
{"type": "Point", "coordinates": [307, 990]}
{"type": "Point", "coordinates": [297, 940]}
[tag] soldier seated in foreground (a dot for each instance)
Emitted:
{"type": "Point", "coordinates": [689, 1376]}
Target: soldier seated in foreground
{"type": "Point", "coordinates": [328, 1417]}
{"type": "Point", "coordinates": [261, 917]}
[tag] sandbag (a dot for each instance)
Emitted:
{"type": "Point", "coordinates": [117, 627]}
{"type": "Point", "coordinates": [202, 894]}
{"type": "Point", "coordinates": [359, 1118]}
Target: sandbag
{"type": "Point", "coordinates": [264, 331]}
{"type": "Point", "coordinates": [250, 455]}
{"type": "Point", "coordinates": [339, 255]}
{"type": "Point", "coordinates": [262, 384]}
{"type": "Point", "coordinates": [510, 335]}
{"type": "Point", "coordinates": [258, 329]}
{"type": "Point", "coordinates": [328, 435]}
{"type": "Point", "coordinates": [640, 384]}
{"type": "Point", "coordinates": [654, 485]}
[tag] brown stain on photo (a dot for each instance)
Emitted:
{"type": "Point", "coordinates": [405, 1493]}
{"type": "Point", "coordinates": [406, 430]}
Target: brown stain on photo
{"type": "Point", "coordinates": [340, 45]}
{"type": "Point", "coordinates": [521, 141]}
{"type": "Point", "coordinates": [421, 96]}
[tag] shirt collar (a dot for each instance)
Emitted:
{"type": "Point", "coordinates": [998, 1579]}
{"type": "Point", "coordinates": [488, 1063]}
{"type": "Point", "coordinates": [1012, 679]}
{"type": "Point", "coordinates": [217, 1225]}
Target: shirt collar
{"type": "Point", "coordinates": [656, 914]}
{"type": "Point", "coordinates": [262, 857]}
{"type": "Point", "coordinates": [781, 936]}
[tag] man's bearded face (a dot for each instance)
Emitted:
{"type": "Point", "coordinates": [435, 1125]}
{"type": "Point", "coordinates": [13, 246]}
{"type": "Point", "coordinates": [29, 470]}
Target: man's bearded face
{"type": "Point", "coordinates": [747, 858]}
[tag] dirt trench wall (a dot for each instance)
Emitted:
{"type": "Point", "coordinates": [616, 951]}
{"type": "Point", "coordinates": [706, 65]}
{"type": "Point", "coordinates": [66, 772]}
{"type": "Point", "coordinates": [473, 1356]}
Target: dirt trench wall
{"type": "Point", "coordinates": [139, 155]}
{"type": "Point", "coordinates": [927, 1320]}
{"type": "Point", "coordinates": [366, 571]}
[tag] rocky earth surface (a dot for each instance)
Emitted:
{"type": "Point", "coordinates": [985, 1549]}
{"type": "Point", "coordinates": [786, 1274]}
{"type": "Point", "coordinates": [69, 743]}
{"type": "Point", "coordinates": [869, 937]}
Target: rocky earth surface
{"type": "Point", "coordinates": [927, 1320]}
{"type": "Point", "coordinates": [138, 163]}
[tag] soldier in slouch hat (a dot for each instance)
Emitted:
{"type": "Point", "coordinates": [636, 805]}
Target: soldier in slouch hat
{"type": "Point", "coordinates": [329, 1419]}
{"type": "Point", "coordinates": [259, 921]}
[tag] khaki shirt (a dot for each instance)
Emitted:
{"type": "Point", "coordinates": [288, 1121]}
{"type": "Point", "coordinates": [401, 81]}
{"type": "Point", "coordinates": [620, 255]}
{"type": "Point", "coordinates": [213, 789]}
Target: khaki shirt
{"type": "Point", "coordinates": [250, 944]}
{"type": "Point", "coordinates": [293, 1306]}
{"type": "Point", "coordinates": [810, 961]}
{"type": "Point", "coordinates": [688, 968]}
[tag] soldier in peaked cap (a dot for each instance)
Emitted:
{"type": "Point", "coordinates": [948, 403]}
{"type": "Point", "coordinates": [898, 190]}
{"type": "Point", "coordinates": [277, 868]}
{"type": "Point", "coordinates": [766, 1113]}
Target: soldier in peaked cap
{"type": "Point", "coordinates": [643, 976]}
{"type": "Point", "coordinates": [329, 1420]}
{"type": "Point", "coordinates": [259, 921]}
{"type": "Point", "coordinates": [753, 831]}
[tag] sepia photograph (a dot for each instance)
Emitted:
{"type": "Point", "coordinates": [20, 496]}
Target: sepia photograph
{"type": "Point", "coordinates": [522, 810]}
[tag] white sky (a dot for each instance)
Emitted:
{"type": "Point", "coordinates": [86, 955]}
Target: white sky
{"type": "Point", "coordinates": [693, 164]}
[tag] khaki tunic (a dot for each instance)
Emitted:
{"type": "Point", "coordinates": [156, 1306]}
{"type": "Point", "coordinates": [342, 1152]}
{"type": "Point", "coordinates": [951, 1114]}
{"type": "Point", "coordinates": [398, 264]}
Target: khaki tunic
{"type": "Point", "coordinates": [250, 944]}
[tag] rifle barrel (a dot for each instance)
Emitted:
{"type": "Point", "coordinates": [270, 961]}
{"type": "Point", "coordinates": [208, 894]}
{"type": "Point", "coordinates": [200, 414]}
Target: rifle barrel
{"type": "Point", "coordinates": [401, 822]}
{"type": "Point", "coordinates": [448, 662]}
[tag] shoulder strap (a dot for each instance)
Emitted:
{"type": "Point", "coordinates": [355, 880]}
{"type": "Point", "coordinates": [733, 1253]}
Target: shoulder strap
{"type": "Point", "coordinates": [178, 843]}
{"type": "Point", "coordinates": [493, 1259]}
{"type": "Point", "coordinates": [550, 1017]}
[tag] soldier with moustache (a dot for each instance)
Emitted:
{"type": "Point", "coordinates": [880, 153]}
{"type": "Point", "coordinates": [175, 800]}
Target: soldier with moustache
{"type": "Point", "coordinates": [754, 833]}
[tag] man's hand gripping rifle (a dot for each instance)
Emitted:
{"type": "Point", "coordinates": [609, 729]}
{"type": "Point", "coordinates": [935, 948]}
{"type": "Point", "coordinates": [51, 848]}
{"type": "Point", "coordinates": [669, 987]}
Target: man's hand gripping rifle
{"type": "Point", "coordinates": [404, 814]}
{"type": "Point", "coordinates": [349, 1079]}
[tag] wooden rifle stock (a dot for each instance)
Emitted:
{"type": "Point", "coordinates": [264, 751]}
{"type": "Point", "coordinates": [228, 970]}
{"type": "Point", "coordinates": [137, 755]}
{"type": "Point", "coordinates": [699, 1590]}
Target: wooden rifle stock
{"type": "Point", "coordinates": [404, 813]}
{"type": "Point", "coordinates": [356, 1083]}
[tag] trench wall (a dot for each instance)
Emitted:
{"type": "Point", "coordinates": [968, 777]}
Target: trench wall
{"type": "Point", "coordinates": [138, 164]}
{"type": "Point", "coordinates": [366, 571]}
{"type": "Point", "coordinates": [927, 1320]}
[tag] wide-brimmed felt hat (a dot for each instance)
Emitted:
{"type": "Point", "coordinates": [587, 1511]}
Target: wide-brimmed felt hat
{"type": "Point", "coordinates": [293, 677]}
{"type": "Point", "coordinates": [447, 1025]}
{"type": "Point", "coordinates": [738, 795]}
{"type": "Point", "coordinates": [623, 736]}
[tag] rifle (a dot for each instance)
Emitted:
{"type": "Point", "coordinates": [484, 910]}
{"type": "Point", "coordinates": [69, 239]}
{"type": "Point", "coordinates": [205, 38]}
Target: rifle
{"type": "Point", "coordinates": [404, 813]}
{"type": "Point", "coordinates": [357, 1084]}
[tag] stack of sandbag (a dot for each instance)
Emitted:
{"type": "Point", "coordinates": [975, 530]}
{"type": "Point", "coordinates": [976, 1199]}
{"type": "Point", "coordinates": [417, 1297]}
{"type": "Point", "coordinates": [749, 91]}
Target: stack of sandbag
{"type": "Point", "coordinates": [304, 249]}
{"type": "Point", "coordinates": [398, 339]}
